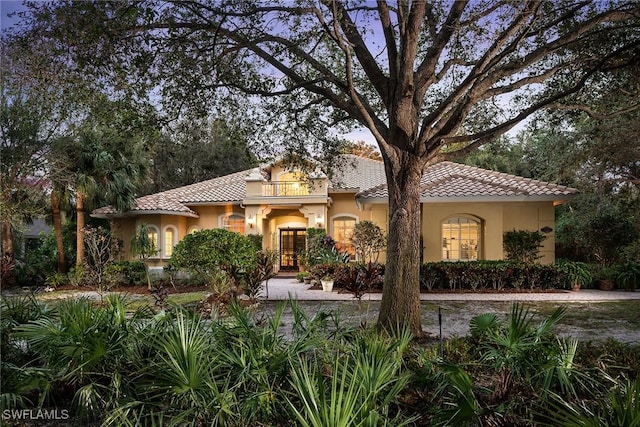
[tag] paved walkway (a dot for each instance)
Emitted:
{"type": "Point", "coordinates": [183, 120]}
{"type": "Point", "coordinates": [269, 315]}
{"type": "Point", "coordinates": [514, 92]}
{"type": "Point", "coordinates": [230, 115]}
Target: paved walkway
{"type": "Point", "coordinates": [283, 288]}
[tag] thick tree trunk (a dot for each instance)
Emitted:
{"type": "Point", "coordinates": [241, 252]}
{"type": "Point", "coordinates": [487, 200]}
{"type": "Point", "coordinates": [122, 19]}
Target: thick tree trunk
{"type": "Point", "coordinates": [57, 227]}
{"type": "Point", "coordinates": [401, 293]}
{"type": "Point", "coordinates": [8, 261]}
{"type": "Point", "coordinates": [80, 228]}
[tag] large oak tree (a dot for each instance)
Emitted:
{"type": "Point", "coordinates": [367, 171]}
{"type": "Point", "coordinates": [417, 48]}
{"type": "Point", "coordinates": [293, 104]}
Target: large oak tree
{"type": "Point", "coordinates": [426, 78]}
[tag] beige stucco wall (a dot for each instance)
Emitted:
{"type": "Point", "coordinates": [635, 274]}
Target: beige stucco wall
{"type": "Point", "coordinates": [532, 217]}
{"type": "Point", "coordinates": [343, 204]}
{"type": "Point", "coordinates": [161, 223]}
{"type": "Point", "coordinates": [496, 218]}
{"type": "Point", "coordinates": [123, 229]}
{"type": "Point", "coordinates": [209, 216]}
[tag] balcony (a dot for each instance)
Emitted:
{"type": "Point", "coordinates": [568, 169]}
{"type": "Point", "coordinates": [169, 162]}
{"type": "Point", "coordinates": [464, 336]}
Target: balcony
{"type": "Point", "coordinates": [285, 189]}
{"type": "Point", "coordinates": [286, 193]}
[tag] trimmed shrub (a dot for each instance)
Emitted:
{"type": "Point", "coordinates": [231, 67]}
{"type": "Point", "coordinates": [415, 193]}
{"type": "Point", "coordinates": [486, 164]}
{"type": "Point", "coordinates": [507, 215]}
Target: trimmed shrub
{"type": "Point", "coordinates": [495, 275]}
{"type": "Point", "coordinates": [523, 245]}
{"type": "Point", "coordinates": [128, 273]}
{"type": "Point", "coordinates": [206, 252]}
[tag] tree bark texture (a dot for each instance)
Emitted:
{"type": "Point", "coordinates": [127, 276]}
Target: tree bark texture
{"type": "Point", "coordinates": [8, 261]}
{"type": "Point", "coordinates": [401, 293]}
{"type": "Point", "coordinates": [57, 227]}
{"type": "Point", "coordinates": [80, 220]}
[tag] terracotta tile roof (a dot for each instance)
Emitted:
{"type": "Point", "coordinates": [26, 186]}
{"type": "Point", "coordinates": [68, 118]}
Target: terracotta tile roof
{"type": "Point", "coordinates": [443, 181]}
{"type": "Point", "coordinates": [358, 173]}
{"type": "Point", "coordinates": [448, 180]}
{"type": "Point", "coordinates": [228, 188]}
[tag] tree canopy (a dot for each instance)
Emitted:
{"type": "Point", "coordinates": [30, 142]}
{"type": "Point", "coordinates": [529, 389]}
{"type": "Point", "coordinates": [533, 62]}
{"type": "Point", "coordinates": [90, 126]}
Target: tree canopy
{"type": "Point", "coordinates": [197, 150]}
{"type": "Point", "coordinates": [428, 79]}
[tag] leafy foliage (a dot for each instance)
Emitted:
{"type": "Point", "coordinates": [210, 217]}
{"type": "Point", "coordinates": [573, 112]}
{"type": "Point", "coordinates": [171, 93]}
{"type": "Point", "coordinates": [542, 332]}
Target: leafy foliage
{"type": "Point", "coordinates": [258, 276]}
{"type": "Point", "coordinates": [206, 252]}
{"type": "Point", "coordinates": [358, 278]}
{"type": "Point", "coordinates": [222, 148]}
{"type": "Point", "coordinates": [523, 245]}
{"type": "Point", "coordinates": [115, 366]}
{"type": "Point", "coordinates": [620, 407]}
{"type": "Point", "coordinates": [368, 240]}
{"type": "Point", "coordinates": [40, 262]}
{"type": "Point", "coordinates": [496, 275]}
{"type": "Point", "coordinates": [576, 273]}
{"type": "Point", "coordinates": [128, 273]}
{"type": "Point", "coordinates": [365, 379]}
{"type": "Point", "coordinates": [628, 276]}
{"type": "Point", "coordinates": [85, 350]}
{"type": "Point", "coordinates": [315, 246]}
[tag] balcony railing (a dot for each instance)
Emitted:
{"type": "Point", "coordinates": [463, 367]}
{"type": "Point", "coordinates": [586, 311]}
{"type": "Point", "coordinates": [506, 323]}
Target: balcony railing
{"type": "Point", "coordinates": [285, 189]}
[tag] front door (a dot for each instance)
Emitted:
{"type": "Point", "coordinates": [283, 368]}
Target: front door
{"type": "Point", "coordinates": [292, 241]}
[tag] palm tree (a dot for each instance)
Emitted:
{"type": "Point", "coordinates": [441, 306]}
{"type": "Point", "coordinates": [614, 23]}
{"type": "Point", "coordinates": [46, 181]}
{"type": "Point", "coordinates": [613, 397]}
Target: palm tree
{"type": "Point", "coordinates": [60, 156]}
{"type": "Point", "coordinates": [144, 246]}
{"type": "Point", "coordinates": [108, 167]}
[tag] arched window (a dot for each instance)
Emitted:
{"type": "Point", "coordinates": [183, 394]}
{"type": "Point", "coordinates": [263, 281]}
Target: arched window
{"type": "Point", "coordinates": [460, 239]}
{"type": "Point", "coordinates": [343, 227]}
{"type": "Point", "coordinates": [170, 240]}
{"type": "Point", "coordinates": [193, 229]}
{"type": "Point", "coordinates": [153, 235]}
{"type": "Point", "coordinates": [233, 222]}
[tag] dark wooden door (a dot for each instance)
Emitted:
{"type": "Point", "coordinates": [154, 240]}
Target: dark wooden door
{"type": "Point", "coordinates": [292, 241]}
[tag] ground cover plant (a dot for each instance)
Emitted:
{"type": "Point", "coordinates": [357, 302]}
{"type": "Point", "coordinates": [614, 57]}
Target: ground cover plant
{"type": "Point", "coordinates": [113, 366]}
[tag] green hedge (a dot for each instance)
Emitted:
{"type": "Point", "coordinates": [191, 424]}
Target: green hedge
{"type": "Point", "coordinates": [494, 275]}
{"type": "Point", "coordinates": [464, 275]}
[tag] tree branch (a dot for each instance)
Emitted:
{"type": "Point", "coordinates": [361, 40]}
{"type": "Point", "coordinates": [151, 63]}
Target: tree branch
{"type": "Point", "coordinates": [425, 72]}
{"type": "Point", "coordinates": [390, 41]}
{"type": "Point", "coordinates": [593, 114]}
{"type": "Point", "coordinates": [365, 58]}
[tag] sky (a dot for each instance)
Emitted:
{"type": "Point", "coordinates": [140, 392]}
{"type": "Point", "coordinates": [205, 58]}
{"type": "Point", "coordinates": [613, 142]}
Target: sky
{"type": "Point", "coordinates": [6, 7]}
{"type": "Point", "coordinates": [9, 6]}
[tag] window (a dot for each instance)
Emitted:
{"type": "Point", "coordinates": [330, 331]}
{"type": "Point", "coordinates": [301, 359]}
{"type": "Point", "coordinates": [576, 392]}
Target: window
{"type": "Point", "coordinates": [193, 229]}
{"type": "Point", "coordinates": [170, 240]}
{"type": "Point", "coordinates": [233, 222]}
{"type": "Point", "coordinates": [152, 234]}
{"type": "Point", "coordinates": [460, 239]}
{"type": "Point", "coordinates": [342, 234]}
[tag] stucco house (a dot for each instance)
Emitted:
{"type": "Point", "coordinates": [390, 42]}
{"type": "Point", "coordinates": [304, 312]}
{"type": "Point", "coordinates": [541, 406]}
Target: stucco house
{"type": "Point", "coordinates": [465, 210]}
